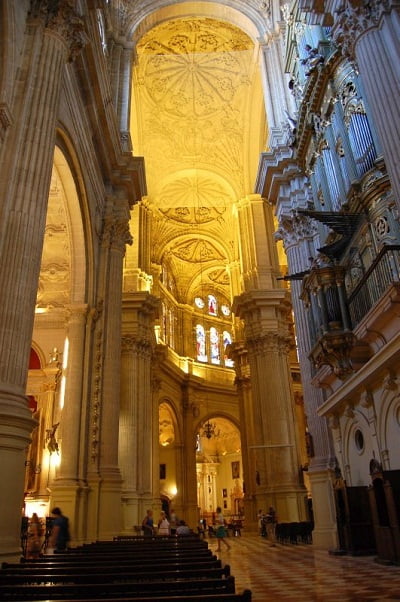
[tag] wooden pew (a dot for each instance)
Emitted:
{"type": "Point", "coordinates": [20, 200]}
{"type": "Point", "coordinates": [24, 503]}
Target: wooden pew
{"type": "Point", "coordinates": [243, 597]}
{"type": "Point", "coordinates": [165, 569]}
{"type": "Point", "coordinates": [153, 588]}
{"type": "Point", "coordinates": [34, 567]}
{"type": "Point", "coordinates": [107, 575]}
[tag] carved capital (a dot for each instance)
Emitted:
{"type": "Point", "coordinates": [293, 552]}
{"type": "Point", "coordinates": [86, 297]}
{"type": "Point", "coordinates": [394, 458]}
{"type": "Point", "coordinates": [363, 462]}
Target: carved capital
{"type": "Point", "coordinates": [116, 233]}
{"type": "Point", "coordinates": [354, 19]}
{"type": "Point", "coordinates": [139, 346]}
{"type": "Point", "coordinates": [294, 229]}
{"type": "Point", "coordinates": [60, 17]}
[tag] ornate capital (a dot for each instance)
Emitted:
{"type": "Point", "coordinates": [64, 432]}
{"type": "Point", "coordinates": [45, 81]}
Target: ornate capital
{"type": "Point", "coordinates": [294, 229]}
{"type": "Point", "coordinates": [137, 345]}
{"type": "Point", "coordinates": [270, 343]}
{"type": "Point", "coordinates": [116, 233]}
{"type": "Point", "coordinates": [60, 17]}
{"type": "Point", "coordinates": [356, 18]}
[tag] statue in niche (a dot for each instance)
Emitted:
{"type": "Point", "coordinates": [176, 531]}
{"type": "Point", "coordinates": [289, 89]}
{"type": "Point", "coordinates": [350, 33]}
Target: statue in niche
{"type": "Point", "coordinates": [52, 444]}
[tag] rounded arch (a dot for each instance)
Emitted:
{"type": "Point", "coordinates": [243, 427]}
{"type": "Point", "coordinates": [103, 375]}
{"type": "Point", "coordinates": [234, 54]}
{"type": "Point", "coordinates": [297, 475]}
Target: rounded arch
{"type": "Point", "coordinates": [37, 358]}
{"type": "Point", "coordinates": [357, 448]}
{"type": "Point", "coordinates": [252, 21]}
{"type": "Point", "coordinates": [388, 426]}
{"type": "Point", "coordinates": [170, 431]}
{"type": "Point", "coordinates": [68, 167]}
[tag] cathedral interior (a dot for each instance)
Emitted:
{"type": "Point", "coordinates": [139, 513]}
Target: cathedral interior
{"type": "Point", "coordinates": [200, 270]}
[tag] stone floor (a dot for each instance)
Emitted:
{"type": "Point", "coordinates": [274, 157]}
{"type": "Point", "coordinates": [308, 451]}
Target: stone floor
{"type": "Point", "coordinates": [304, 574]}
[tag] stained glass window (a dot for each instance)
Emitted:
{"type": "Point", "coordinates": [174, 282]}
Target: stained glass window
{"type": "Point", "coordinates": [227, 340]}
{"type": "Point", "coordinates": [201, 343]}
{"type": "Point", "coordinates": [214, 345]}
{"type": "Point", "coordinates": [212, 305]}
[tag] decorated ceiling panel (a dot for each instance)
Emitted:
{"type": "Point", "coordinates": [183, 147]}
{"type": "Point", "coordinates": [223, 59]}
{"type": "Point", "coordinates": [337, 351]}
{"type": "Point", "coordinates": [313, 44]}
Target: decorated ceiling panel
{"type": "Point", "coordinates": [193, 85]}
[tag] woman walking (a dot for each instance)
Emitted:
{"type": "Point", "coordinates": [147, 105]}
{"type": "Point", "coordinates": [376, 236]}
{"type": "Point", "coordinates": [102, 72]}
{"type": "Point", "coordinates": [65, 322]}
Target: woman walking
{"type": "Point", "coordinates": [220, 531]}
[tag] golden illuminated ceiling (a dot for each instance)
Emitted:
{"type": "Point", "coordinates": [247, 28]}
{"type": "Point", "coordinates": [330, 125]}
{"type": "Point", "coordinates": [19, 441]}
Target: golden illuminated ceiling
{"type": "Point", "coordinates": [195, 82]}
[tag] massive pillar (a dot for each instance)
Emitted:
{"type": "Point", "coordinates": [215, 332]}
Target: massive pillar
{"type": "Point", "coordinates": [368, 32]}
{"type": "Point", "coordinates": [300, 240]}
{"type": "Point", "coordinates": [265, 311]}
{"type": "Point", "coordinates": [138, 440]}
{"type": "Point", "coordinates": [104, 477]}
{"type": "Point", "coordinates": [26, 159]}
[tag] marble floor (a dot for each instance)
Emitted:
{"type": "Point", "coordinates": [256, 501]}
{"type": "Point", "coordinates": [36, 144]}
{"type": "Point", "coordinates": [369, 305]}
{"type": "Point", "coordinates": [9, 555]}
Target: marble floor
{"type": "Point", "coordinates": [301, 573]}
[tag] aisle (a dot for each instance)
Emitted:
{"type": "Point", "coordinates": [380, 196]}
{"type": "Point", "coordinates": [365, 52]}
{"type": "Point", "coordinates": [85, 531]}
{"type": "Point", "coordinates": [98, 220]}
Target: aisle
{"type": "Point", "coordinates": [303, 574]}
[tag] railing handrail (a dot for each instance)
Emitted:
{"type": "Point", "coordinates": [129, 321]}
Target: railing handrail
{"type": "Point", "coordinates": [385, 249]}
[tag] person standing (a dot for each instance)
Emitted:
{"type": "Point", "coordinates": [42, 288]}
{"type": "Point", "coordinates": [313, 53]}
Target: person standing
{"type": "Point", "coordinates": [148, 524]}
{"type": "Point", "coordinates": [220, 529]}
{"type": "Point", "coordinates": [34, 537]}
{"type": "Point", "coordinates": [59, 536]}
{"type": "Point", "coordinates": [271, 521]}
{"type": "Point", "coordinates": [163, 524]}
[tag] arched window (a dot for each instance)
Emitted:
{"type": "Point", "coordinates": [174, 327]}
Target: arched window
{"type": "Point", "coordinates": [227, 340]}
{"type": "Point", "coordinates": [212, 305]}
{"type": "Point", "coordinates": [214, 345]}
{"type": "Point", "coordinates": [201, 353]}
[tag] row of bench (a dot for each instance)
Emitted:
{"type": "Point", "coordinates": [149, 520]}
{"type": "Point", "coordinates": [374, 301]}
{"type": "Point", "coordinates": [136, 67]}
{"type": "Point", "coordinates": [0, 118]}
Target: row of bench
{"type": "Point", "coordinates": [157, 568]}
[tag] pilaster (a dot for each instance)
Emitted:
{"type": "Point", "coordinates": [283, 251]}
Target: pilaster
{"type": "Point", "coordinates": [138, 422]}
{"type": "Point", "coordinates": [300, 240]}
{"type": "Point", "coordinates": [273, 439]}
{"type": "Point", "coordinates": [52, 37]}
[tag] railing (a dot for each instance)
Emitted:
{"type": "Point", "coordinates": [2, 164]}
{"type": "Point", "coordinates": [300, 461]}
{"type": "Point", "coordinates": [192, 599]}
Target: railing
{"type": "Point", "coordinates": [384, 271]}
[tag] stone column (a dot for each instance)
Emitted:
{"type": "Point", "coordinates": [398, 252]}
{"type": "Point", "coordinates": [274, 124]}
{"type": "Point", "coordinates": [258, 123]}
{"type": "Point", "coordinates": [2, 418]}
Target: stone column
{"type": "Point", "coordinates": [300, 240]}
{"type": "Point", "coordinates": [368, 32]}
{"type": "Point", "coordinates": [121, 58]}
{"type": "Point", "coordinates": [265, 311]}
{"type": "Point", "coordinates": [104, 477]}
{"type": "Point", "coordinates": [138, 423]}
{"type": "Point", "coordinates": [27, 156]}
{"type": "Point", "coordinates": [243, 383]}
{"type": "Point", "coordinates": [187, 468]}
{"type": "Point", "coordinates": [278, 99]}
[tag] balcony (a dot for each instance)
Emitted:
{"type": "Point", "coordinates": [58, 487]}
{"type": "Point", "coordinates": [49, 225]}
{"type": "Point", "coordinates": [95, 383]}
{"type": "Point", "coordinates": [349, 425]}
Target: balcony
{"type": "Point", "coordinates": [380, 276]}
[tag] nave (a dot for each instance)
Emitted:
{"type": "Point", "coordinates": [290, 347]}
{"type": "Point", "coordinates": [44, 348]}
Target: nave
{"type": "Point", "coordinates": [302, 573]}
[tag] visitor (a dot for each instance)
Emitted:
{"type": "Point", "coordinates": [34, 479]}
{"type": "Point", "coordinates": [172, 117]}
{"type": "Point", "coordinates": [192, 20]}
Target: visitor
{"type": "Point", "coordinates": [60, 535]}
{"type": "Point", "coordinates": [35, 532]}
{"type": "Point", "coordinates": [163, 524]}
{"type": "Point", "coordinates": [220, 529]}
{"type": "Point", "coordinates": [148, 524]}
{"type": "Point", "coordinates": [182, 529]}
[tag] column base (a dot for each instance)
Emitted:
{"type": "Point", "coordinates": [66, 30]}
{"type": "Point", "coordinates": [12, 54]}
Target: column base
{"type": "Point", "coordinates": [16, 424]}
{"type": "Point", "coordinates": [325, 534]}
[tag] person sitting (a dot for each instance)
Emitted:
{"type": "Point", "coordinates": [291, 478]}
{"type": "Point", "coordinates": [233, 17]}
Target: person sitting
{"type": "Point", "coordinates": [182, 529]}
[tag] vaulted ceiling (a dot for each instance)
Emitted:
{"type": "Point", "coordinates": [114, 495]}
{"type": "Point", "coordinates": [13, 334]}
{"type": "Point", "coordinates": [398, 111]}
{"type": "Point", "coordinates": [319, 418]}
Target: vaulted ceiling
{"type": "Point", "coordinates": [197, 97]}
